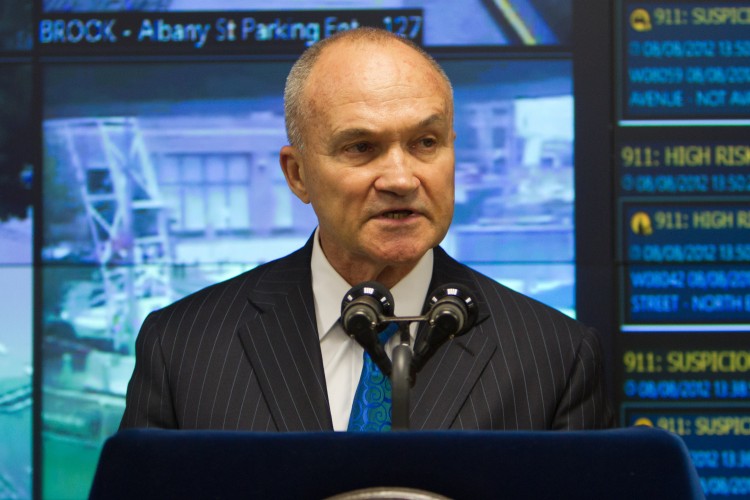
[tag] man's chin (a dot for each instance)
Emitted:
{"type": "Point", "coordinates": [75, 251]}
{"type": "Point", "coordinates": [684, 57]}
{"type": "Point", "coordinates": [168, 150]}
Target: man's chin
{"type": "Point", "coordinates": [401, 255]}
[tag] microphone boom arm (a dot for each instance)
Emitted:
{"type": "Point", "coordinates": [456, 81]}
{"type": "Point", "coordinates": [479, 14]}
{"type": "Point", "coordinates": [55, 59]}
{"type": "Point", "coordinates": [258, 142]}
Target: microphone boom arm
{"type": "Point", "coordinates": [367, 307]}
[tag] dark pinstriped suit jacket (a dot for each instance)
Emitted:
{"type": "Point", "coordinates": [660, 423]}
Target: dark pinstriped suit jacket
{"type": "Point", "coordinates": [244, 355]}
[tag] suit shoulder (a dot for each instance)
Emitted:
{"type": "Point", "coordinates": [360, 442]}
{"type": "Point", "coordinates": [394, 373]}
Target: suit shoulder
{"type": "Point", "coordinates": [247, 282]}
{"type": "Point", "coordinates": [520, 309]}
{"type": "Point", "coordinates": [535, 326]}
{"type": "Point", "coordinates": [530, 302]}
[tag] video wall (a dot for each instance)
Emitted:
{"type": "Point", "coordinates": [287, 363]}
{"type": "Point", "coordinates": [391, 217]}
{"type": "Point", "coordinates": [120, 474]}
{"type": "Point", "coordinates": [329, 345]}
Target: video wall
{"type": "Point", "coordinates": [17, 157]}
{"type": "Point", "coordinates": [139, 163]}
{"type": "Point", "coordinates": [682, 170]}
{"type": "Point", "coordinates": [601, 167]}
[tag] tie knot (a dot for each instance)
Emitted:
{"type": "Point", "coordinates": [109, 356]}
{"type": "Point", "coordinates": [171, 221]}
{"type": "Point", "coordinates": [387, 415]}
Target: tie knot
{"type": "Point", "coordinates": [387, 333]}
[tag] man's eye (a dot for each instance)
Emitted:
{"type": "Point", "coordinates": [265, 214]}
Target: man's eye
{"type": "Point", "coordinates": [360, 147]}
{"type": "Point", "coordinates": [427, 142]}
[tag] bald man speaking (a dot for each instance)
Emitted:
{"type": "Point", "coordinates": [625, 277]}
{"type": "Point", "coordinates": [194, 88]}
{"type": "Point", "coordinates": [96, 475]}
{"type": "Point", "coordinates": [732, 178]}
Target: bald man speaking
{"type": "Point", "coordinates": [369, 118]}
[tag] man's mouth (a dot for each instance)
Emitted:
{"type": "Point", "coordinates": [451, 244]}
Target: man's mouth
{"type": "Point", "coordinates": [398, 214]}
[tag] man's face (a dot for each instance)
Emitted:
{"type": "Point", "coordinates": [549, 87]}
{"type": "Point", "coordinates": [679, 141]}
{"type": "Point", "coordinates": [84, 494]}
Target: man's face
{"type": "Point", "coordinates": [378, 161]}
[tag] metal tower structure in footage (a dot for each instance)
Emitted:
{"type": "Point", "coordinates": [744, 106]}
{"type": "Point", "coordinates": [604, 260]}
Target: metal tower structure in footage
{"type": "Point", "coordinates": [126, 219]}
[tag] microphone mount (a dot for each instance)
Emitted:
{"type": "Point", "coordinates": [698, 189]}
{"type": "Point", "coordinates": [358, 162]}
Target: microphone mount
{"type": "Point", "coordinates": [368, 307]}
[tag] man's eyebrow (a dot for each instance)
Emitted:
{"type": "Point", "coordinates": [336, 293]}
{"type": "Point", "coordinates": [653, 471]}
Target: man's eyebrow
{"type": "Point", "coordinates": [349, 134]}
{"type": "Point", "coordinates": [357, 132]}
{"type": "Point", "coordinates": [341, 137]}
{"type": "Point", "coordinates": [432, 119]}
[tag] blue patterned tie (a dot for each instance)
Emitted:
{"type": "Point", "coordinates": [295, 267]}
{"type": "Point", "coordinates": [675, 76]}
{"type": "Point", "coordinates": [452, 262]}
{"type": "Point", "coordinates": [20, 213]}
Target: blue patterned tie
{"type": "Point", "coordinates": [371, 408]}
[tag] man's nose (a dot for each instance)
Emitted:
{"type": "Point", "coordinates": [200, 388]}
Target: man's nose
{"type": "Point", "coordinates": [397, 174]}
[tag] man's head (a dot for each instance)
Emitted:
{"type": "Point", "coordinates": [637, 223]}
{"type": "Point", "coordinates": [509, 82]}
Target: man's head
{"type": "Point", "coordinates": [297, 113]}
{"type": "Point", "coordinates": [370, 122]}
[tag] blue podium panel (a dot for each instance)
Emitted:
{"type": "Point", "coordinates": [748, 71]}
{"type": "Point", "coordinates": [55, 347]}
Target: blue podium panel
{"type": "Point", "coordinates": [630, 463]}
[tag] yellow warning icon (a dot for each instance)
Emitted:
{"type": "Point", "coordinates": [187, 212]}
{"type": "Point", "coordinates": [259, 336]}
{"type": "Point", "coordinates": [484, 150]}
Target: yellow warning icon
{"type": "Point", "coordinates": [643, 421]}
{"type": "Point", "coordinates": [640, 224]}
{"type": "Point", "coordinates": [640, 20]}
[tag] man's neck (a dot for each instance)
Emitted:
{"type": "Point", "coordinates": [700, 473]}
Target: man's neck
{"type": "Point", "coordinates": [389, 276]}
{"type": "Point", "coordinates": [329, 287]}
{"type": "Point", "coordinates": [356, 271]}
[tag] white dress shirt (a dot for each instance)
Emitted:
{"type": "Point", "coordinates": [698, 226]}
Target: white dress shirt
{"type": "Point", "coordinates": [342, 355]}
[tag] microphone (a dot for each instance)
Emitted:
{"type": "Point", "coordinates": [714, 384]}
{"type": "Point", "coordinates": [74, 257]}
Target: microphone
{"type": "Point", "coordinates": [452, 312]}
{"type": "Point", "coordinates": [362, 310]}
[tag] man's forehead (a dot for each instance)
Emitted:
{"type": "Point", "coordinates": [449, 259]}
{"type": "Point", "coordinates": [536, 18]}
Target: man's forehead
{"type": "Point", "coordinates": [352, 79]}
{"type": "Point", "coordinates": [349, 132]}
{"type": "Point", "coordinates": [353, 61]}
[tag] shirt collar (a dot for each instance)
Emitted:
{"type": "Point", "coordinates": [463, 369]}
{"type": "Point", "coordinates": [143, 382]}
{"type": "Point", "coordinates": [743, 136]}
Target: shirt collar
{"type": "Point", "coordinates": [329, 288]}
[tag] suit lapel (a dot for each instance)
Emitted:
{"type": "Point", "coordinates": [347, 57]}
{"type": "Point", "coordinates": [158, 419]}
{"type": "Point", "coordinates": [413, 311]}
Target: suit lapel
{"type": "Point", "coordinates": [446, 380]}
{"type": "Point", "coordinates": [281, 341]}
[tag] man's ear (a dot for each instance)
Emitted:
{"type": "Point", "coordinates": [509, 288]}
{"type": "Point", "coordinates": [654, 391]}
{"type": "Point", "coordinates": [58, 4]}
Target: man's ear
{"type": "Point", "coordinates": [293, 167]}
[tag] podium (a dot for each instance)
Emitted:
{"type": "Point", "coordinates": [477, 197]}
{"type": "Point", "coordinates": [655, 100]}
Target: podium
{"type": "Point", "coordinates": [623, 464]}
